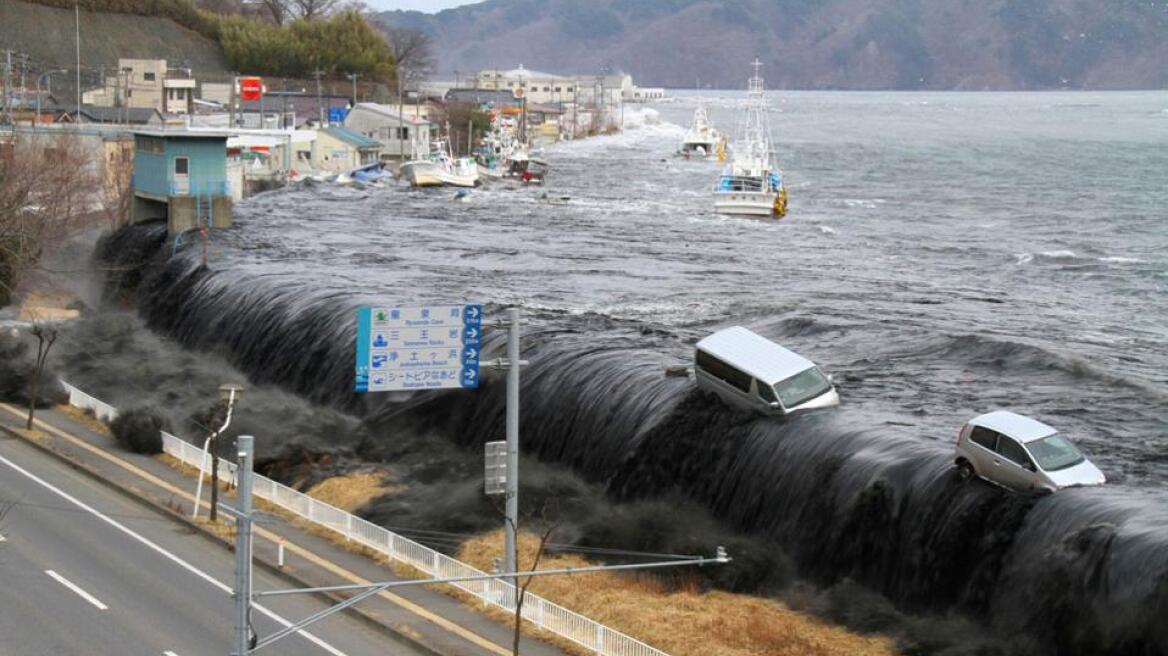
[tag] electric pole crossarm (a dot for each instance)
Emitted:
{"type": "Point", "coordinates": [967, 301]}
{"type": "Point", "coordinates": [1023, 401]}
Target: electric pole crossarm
{"type": "Point", "coordinates": [371, 589]}
{"type": "Point", "coordinates": [720, 559]}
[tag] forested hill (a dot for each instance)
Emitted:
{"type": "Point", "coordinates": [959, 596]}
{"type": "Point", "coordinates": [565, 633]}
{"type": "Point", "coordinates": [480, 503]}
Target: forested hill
{"type": "Point", "coordinates": [816, 44]}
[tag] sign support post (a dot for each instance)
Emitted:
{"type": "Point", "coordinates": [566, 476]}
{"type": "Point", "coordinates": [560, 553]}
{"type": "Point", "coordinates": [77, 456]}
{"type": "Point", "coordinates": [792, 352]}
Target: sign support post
{"type": "Point", "coordinates": [512, 507]}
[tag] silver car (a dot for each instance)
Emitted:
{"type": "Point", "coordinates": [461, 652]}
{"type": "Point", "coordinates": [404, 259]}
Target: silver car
{"type": "Point", "coordinates": [1022, 454]}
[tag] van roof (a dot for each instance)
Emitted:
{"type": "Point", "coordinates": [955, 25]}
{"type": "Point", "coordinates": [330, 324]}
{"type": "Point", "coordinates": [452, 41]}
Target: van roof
{"type": "Point", "coordinates": [1020, 427]}
{"type": "Point", "coordinates": [754, 354]}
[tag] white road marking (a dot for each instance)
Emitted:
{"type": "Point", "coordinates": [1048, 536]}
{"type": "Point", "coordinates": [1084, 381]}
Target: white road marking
{"type": "Point", "coordinates": [169, 653]}
{"type": "Point", "coordinates": [75, 588]}
{"type": "Point", "coordinates": [3, 539]}
{"type": "Point", "coordinates": [166, 554]}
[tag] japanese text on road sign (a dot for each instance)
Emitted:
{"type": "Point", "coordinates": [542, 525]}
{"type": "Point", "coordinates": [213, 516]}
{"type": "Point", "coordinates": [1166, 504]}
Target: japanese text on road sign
{"type": "Point", "coordinates": [418, 348]}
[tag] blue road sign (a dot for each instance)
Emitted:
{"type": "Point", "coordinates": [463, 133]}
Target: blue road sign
{"type": "Point", "coordinates": [418, 348]}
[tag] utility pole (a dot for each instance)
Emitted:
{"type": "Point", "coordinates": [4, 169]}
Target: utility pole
{"type": "Point", "coordinates": [353, 77]}
{"type": "Point", "coordinates": [243, 642]}
{"type": "Point", "coordinates": [23, 86]}
{"type": "Point", "coordinates": [319, 102]}
{"type": "Point", "coordinates": [512, 507]}
{"type": "Point", "coordinates": [401, 119]}
{"type": "Point", "coordinates": [77, 22]}
{"type": "Point", "coordinates": [7, 85]}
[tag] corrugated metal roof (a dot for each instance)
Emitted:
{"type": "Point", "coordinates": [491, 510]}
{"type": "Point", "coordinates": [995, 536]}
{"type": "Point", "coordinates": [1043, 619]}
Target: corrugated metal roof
{"type": "Point", "coordinates": [754, 354]}
{"type": "Point", "coordinates": [354, 139]}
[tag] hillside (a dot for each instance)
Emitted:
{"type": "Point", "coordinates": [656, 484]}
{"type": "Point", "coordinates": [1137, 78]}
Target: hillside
{"type": "Point", "coordinates": [816, 44]}
{"type": "Point", "coordinates": [46, 34]}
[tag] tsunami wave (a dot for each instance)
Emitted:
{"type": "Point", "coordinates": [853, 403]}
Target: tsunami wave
{"type": "Point", "coordinates": [1081, 571]}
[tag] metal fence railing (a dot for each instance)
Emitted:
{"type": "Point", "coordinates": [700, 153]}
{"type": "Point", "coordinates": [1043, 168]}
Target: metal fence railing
{"type": "Point", "coordinates": [548, 616]}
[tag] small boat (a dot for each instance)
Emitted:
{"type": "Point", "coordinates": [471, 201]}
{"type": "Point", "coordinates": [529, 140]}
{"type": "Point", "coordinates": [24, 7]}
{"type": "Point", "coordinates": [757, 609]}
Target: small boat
{"type": "Point", "coordinates": [533, 171]}
{"type": "Point", "coordinates": [439, 168]}
{"type": "Point", "coordinates": [370, 173]}
{"type": "Point", "coordinates": [702, 139]}
{"type": "Point", "coordinates": [752, 183]}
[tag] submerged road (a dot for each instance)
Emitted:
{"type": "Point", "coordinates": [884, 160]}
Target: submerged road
{"type": "Point", "coordinates": [84, 570]}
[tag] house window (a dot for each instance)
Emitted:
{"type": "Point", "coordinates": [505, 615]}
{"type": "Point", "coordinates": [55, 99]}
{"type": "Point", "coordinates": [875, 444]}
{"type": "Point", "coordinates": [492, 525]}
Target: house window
{"type": "Point", "coordinates": [182, 166]}
{"type": "Point", "coordinates": [149, 77]}
{"type": "Point", "coordinates": [403, 133]}
{"type": "Point", "coordinates": [129, 92]}
{"type": "Point", "coordinates": [559, 89]}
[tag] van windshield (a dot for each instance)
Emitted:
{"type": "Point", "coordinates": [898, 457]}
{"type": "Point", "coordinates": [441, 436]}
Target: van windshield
{"type": "Point", "coordinates": [802, 387]}
{"type": "Point", "coordinates": [1054, 453]}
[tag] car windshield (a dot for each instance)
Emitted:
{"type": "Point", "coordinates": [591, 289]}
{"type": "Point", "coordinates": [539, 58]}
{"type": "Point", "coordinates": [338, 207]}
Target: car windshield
{"type": "Point", "coordinates": [1054, 453]}
{"type": "Point", "coordinates": [802, 387]}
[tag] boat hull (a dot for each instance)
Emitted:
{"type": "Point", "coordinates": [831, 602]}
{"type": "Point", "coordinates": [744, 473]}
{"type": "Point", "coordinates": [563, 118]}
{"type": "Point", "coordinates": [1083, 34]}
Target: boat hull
{"type": "Point", "coordinates": [746, 203]}
{"type": "Point", "coordinates": [423, 173]}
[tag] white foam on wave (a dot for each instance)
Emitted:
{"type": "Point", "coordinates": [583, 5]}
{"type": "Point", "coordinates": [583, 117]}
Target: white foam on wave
{"type": "Point", "coordinates": [826, 230]}
{"type": "Point", "coordinates": [1118, 259]}
{"type": "Point", "coordinates": [1058, 254]}
{"type": "Point", "coordinates": [641, 125]}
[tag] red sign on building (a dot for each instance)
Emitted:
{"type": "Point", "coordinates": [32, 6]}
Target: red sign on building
{"type": "Point", "coordinates": [251, 88]}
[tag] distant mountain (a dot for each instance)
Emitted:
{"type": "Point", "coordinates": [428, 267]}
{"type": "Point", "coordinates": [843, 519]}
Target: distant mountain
{"type": "Point", "coordinates": [815, 44]}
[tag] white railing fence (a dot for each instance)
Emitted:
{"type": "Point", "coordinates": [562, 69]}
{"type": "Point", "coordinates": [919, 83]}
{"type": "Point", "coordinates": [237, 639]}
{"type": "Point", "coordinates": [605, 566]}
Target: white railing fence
{"type": "Point", "coordinates": [548, 616]}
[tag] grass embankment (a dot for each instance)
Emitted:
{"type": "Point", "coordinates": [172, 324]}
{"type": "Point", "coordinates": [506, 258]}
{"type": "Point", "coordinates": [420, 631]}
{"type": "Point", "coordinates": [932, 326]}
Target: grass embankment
{"type": "Point", "coordinates": [685, 622]}
{"type": "Point", "coordinates": [682, 622]}
{"type": "Point", "coordinates": [352, 491]}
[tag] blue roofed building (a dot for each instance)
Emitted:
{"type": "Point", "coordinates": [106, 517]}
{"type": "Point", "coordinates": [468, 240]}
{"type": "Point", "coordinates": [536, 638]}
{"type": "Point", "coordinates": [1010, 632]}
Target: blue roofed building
{"type": "Point", "coordinates": [181, 176]}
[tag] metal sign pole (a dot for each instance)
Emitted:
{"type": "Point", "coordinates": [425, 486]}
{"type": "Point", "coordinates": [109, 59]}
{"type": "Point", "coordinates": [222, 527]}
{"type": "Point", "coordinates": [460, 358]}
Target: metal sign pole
{"type": "Point", "coordinates": [512, 508]}
{"type": "Point", "coordinates": [243, 548]}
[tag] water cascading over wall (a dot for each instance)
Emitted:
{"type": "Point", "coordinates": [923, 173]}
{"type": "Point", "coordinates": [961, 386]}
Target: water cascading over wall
{"type": "Point", "coordinates": [1081, 571]}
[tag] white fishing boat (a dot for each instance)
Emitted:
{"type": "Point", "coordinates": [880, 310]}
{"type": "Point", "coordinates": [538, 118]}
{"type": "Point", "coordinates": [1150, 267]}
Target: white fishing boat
{"type": "Point", "coordinates": [702, 139]}
{"type": "Point", "coordinates": [752, 182]}
{"type": "Point", "coordinates": [439, 168]}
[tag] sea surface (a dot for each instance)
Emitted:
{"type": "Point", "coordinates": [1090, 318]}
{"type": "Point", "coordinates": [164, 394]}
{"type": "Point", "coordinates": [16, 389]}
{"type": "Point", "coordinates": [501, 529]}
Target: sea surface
{"type": "Point", "coordinates": [945, 254]}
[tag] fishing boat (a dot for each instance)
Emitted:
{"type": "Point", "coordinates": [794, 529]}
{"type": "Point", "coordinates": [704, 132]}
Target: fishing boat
{"type": "Point", "coordinates": [439, 168]}
{"type": "Point", "coordinates": [752, 183]}
{"type": "Point", "coordinates": [702, 139]}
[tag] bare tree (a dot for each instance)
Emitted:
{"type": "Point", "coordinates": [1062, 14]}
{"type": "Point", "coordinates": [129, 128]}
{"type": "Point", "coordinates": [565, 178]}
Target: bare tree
{"type": "Point", "coordinates": [47, 192]}
{"type": "Point", "coordinates": [277, 10]}
{"type": "Point", "coordinates": [412, 50]}
{"type": "Point", "coordinates": [313, 9]}
{"type": "Point", "coordinates": [46, 335]}
{"type": "Point", "coordinates": [549, 526]}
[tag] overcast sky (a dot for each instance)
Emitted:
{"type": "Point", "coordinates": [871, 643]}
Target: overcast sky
{"type": "Point", "coordinates": [428, 6]}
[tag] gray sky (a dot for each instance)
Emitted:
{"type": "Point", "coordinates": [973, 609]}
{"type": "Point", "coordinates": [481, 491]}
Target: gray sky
{"type": "Point", "coordinates": [428, 6]}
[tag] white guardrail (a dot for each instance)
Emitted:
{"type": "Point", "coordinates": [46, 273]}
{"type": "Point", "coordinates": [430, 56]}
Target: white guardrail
{"type": "Point", "coordinates": [546, 615]}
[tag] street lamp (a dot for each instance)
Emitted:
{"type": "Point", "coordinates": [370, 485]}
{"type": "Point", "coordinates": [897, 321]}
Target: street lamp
{"type": "Point", "coordinates": [229, 393]}
{"type": "Point", "coordinates": [37, 118]}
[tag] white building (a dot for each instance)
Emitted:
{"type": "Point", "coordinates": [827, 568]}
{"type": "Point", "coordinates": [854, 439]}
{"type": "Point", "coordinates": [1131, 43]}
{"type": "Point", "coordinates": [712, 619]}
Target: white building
{"type": "Point", "coordinates": [145, 83]}
{"type": "Point", "coordinates": [400, 131]}
{"type": "Point", "coordinates": [538, 87]}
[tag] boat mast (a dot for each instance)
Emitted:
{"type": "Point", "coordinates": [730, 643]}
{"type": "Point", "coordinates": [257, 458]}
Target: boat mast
{"type": "Point", "coordinates": [756, 133]}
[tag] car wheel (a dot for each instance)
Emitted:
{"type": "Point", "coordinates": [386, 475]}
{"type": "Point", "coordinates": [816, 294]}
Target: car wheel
{"type": "Point", "coordinates": [964, 470]}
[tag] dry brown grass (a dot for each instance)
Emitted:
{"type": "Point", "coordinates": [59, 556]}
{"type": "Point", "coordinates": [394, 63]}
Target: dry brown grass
{"type": "Point", "coordinates": [34, 434]}
{"type": "Point", "coordinates": [683, 623]}
{"type": "Point", "coordinates": [85, 419]}
{"type": "Point", "coordinates": [352, 491]}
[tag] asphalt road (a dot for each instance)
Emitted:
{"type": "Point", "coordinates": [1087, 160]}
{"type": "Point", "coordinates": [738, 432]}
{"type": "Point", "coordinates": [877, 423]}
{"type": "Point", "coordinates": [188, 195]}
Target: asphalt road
{"type": "Point", "coordinates": [84, 570]}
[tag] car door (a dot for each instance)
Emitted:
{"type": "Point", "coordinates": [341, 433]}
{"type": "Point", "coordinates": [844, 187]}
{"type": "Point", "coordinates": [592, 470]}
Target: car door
{"type": "Point", "coordinates": [1014, 468]}
{"type": "Point", "coordinates": [982, 442]}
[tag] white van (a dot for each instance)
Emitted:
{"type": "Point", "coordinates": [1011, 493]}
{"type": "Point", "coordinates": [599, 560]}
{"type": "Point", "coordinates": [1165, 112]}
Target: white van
{"type": "Point", "coordinates": [750, 371]}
